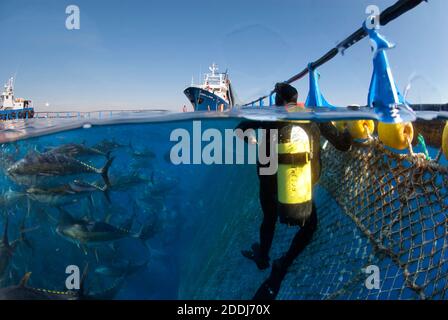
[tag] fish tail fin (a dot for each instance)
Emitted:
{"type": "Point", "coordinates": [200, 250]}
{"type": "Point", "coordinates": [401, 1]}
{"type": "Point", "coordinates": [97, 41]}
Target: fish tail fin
{"type": "Point", "coordinates": [82, 283]}
{"type": "Point", "coordinates": [91, 207]}
{"type": "Point", "coordinates": [146, 232]}
{"type": "Point", "coordinates": [23, 232]}
{"type": "Point", "coordinates": [95, 251]}
{"type": "Point", "coordinates": [25, 279]}
{"type": "Point", "coordinates": [28, 207]}
{"type": "Point", "coordinates": [49, 216]}
{"type": "Point", "coordinates": [105, 189]}
{"type": "Point", "coordinates": [105, 171]}
{"type": "Point", "coordinates": [108, 217]}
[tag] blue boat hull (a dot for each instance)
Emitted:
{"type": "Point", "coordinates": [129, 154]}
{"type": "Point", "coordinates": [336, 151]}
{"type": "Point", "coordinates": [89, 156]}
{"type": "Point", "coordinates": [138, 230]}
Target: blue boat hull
{"type": "Point", "coordinates": [11, 114]}
{"type": "Point", "coordinates": [203, 100]}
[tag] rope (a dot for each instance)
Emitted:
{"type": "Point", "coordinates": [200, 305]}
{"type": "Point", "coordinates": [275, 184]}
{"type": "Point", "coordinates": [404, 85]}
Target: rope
{"type": "Point", "coordinates": [399, 202]}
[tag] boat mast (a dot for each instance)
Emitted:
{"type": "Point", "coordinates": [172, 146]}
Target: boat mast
{"type": "Point", "coordinates": [213, 68]}
{"type": "Point", "coordinates": [7, 97]}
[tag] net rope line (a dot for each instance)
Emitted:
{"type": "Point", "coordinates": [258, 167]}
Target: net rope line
{"type": "Point", "coordinates": [392, 198]}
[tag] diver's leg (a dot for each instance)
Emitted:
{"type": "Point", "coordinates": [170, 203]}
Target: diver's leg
{"type": "Point", "coordinates": [268, 200]}
{"type": "Point", "coordinates": [300, 240]}
{"type": "Point", "coordinates": [270, 288]}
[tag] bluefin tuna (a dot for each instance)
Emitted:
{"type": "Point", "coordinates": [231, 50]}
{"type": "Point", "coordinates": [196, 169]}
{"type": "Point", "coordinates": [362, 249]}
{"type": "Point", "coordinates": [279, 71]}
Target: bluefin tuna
{"type": "Point", "coordinates": [77, 150]}
{"type": "Point", "coordinates": [65, 194]}
{"type": "Point", "coordinates": [84, 232]}
{"type": "Point", "coordinates": [55, 164]}
{"type": "Point", "coordinates": [123, 269]}
{"type": "Point", "coordinates": [24, 292]}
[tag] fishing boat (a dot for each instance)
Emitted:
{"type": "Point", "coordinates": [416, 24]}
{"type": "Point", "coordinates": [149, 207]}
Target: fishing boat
{"type": "Point", "coordinates": [214, 94]}
{"type": "Point", "coordinates": [14, 108]}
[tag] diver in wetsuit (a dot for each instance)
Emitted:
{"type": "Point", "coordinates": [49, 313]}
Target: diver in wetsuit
{"type": "Point", "coordinates": [287, 96]}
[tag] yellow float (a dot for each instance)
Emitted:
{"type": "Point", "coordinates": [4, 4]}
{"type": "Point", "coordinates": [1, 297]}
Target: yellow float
{"type": "Point", "coordinates": [340, 125]}
{"type": "Point", "coordinates": [360, 129]}
{"type": "Point", "coordinates": [396, 135]}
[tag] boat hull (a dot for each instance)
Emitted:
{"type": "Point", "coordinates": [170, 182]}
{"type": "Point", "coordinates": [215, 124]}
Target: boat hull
{"type": "Point", "coordinates": [11, 114]}
{"type": "Point", "coordinates": [203, 100]}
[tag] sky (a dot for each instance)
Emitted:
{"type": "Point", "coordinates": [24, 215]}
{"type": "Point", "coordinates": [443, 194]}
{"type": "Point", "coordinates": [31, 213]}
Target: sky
{"type": "Point", "coordinates": [142, 54]}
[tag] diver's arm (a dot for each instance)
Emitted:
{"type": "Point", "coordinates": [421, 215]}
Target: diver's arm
{"type": "Point", "coordinates": [244, 126]}
{"type": "Point", "coordinates": [248, 124]}
{"type": "Point", "coordinates": [340, 140]}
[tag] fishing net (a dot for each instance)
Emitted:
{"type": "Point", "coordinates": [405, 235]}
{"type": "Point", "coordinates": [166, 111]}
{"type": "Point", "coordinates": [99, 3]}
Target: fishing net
{"type": "Point", "coordinates": [375, 207]}
{"type": "Point", "coordinates": [399, 203]}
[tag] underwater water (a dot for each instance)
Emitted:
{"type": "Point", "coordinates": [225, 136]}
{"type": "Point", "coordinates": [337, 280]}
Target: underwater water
{"type": "Point", "coordinates": [176, 231]}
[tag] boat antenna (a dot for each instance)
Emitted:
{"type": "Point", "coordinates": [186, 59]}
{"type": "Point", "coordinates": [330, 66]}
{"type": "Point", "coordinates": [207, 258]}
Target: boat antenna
{"type": "Point", "coordinates": [15, 73]}
{"type": "Point", "coordinates": [213, 68]}
{"type": "Point", "coordinates": [11, 82]}
{"type": "Point", "coordinates": [388, 15]}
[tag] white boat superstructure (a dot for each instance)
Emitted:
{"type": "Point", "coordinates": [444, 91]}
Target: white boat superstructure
{"type": "Point", "coordinates": [217, 83]}
{"type": "Point", "coordinates": [214, 94]}
{"type": "Point", "coordinates": [8, 101]}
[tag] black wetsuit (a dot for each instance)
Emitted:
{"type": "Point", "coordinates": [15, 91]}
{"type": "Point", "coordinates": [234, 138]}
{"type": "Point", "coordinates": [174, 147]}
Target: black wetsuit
{"type": "Point", "coordinates": [268, 185]}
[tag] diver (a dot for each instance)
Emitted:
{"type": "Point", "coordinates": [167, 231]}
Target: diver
{"type": "Point", "coordinates": [286, 96]}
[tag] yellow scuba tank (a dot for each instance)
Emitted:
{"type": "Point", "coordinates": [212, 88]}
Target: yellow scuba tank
{"type": "Point", "coordinates": [294, 175]}
{"type": "Point", "coordinates": [445, 140]}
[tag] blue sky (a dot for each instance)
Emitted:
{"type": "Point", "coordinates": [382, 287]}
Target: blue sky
{"type": "Point", "coordinates": [142, 54]}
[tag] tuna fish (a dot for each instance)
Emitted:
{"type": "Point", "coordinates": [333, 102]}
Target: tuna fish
{"type": "Point", "coordinates": [23, 292]}
{"type": "Point", "coordinates": [91, 232]}
{"type": "Point", "coordinates": [7, 248]}
{"type": "Point", "coordinates": [55, 164]}
{"type": "Point", "coordinates": [121, 269]}
{"type": "Point", "coordinates": [65, 194]}
{"type": "Point", "coordinates": [77, 150]}
{"type": "Point", "coordinates": [107, 146]}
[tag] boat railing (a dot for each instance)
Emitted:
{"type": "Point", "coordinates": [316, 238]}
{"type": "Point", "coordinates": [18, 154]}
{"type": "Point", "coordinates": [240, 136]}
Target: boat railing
{"type": "Point", "coordinates": [386, 16]}
{"type": "Point", "coordinates": [99, 114]}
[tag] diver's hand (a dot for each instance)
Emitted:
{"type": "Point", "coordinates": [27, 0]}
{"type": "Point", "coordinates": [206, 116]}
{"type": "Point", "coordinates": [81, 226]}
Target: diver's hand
{"type": "Point", "coordinates": [248, 136]}
{"type": "Point", "coordinates": [252, 140]}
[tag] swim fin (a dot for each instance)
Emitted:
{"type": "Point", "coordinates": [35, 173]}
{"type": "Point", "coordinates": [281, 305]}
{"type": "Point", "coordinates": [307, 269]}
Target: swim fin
{"type": "Point", "coordinates": [270, 288]}
{"type": "Point", "coordinates": [255, 255]}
